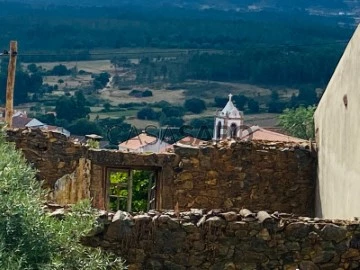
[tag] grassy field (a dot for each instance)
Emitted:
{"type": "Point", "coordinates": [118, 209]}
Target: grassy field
{"type": "Point", "coordinates": [175, 94]}
{"type": "Point", "coordinates": [93, 66]}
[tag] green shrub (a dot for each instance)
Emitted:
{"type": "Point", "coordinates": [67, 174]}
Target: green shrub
{"type": "Point", "coordinates": [31, 239]}
{"type": "Point", "coordinates": [147, 93]}
{"type": "Point", "coordinates": [195, 105]}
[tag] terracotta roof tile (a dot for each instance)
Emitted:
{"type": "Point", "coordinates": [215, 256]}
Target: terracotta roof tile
{"type": "Point", "coordinates": [261, 134]}
{"type": "Point", "coordinates": [20, 121]}
{"type": "Point", "coordinates": [138, 141]}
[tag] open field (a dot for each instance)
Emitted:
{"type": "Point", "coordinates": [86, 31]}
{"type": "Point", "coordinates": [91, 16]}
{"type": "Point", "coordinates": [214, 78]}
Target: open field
{"type": "Point", "coordinates": [122, 96]}
{"type": "Point", "coordinates": [175, 93]}
{"type": "Point", "coordinates": [206, 90]}
{"type": "Point", "coordinates": [93, 66]}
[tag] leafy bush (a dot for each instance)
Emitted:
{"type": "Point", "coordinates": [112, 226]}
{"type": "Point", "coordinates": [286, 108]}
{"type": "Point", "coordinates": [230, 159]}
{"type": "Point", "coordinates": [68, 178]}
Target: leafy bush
{"type": "Point", "coordinates": [101, 80]}
{"type": "Point", "coordinates": [253, 106]}
{"type": "Point", "coordinates": [240, 101]}
{"type": "Point", "coordinates": [147, 93]}
{"type": "Point", "coordinates": [140, 93]}
{"type": "Point", "coordinates": [31, 239]}
{"type": "Point", "coordinates": [195, 105]}
{"type": "Point", "coordinates": [161, 104]}
{"type": "Point", "coordinates": [135, 93]}
{"type": "Point", "coordinates": [84, 127]}
{"type": "Point", "coordinates": [299, 122]}
{"type": "Point", "coordinates": [132, 105]}
{"type": "Point", "coordinates": [171, 121]}
{"type": "Point", "coordinates": [147, 113]}
{"type": "Point", "coordinates": [60, 70]}
{"type": "Point", "coordinates": [140, 190]}
{"type": "Point", "coordinates": [220, 101]}
{"type": "Point", "coordinates": [173, 111]}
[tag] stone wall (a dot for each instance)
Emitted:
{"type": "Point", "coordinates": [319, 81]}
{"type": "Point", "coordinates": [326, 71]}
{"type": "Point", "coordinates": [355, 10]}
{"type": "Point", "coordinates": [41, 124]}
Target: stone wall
{"type": "Point", "coordinates": [230, 176]}
{"type": "Point", "coordinates": [52, 154]}
{"type": "Point", "coordinates": [231, 240]}
{"type": "Point", "coordinates": [271, 176]}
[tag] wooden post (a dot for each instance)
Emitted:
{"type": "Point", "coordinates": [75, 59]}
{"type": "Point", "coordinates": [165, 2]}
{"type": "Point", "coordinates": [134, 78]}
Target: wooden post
{"type": "Point", "coordinates": [150, 189]}
{"type": "Point", "coordinates": [130, 191]}
{"type": "Point", "coordinates": [9, 110]}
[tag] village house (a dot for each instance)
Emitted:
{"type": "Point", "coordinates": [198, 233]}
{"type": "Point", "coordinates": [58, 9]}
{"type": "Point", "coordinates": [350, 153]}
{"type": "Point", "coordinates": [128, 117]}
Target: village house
{"type": "Point", "coordinates": [20, 119]}
{"type": "Point", "coordinates": [143, 143]}
{"type": "Point", "coordinates": [337, 128]}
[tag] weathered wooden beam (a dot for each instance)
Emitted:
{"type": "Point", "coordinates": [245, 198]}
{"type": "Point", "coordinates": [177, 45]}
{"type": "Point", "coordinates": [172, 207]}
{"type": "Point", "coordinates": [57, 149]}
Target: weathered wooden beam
{"type": "Point", "coordinates": [9, 110]}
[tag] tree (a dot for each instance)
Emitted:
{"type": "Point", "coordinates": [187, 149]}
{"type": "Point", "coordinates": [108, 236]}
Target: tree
{"type": "Point", "coordinates": [147, 93]}
{"type": "Point", "coordinates": [307, 96]}
{"type": "Point", "coordinates": [48, 118]}
{"type": "Point", "coordinates": [71, 108]}
{"type": "Point", "coordinates": [22, 83]}
{"type": "Point", "coordinates": [30, 238]}
{"type": "Point", "coordinates": [64, 108]}
{"type": "Point", "coordinates": [35, 82]}
{"type": "Point", "coordinates": [173, 111]}
{"type": "Point", "coordinates": [101, 80]}
{"type": "Point", "coordinates": [274, 95]}
{"type": "Point", "coordinates": [140, 190]}
{"type": "Point", "coordinates": [220, 102]}
{"type": "Point", "coordinates": [60, 70]}
{"type": "Point", "coordinates": [115, 129]}
{"type": "Point", "coordinates": [33, 68]}
{"type": "Point", "coordinates": [84, 127]}
{"type": "Point", "coordinates": [276, 107]}
{"type": "Point", "coordinates": [240, 101]}
{"type": "Point", "coordinates": [21, 87]}
{"type": "Point", "coordinates": [172, 121]}
{"type": "Point", "coordinates": [147, 113]}
{"type": "Point", "coordinates": [299, 122]}
{"type": "Point", "coordinates": [107, 107]}
{"type": "Point", "coordinates": [253, 106]}
{"type": "Point", "coordinates": [195, 105]}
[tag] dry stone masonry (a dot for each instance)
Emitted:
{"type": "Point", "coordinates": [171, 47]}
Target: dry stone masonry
{"type": "Point", "coordinates": [232, 176]}
{"type": "Point", "coordinates": [229, 240]}
{"type": "Point", "coordinates": [229, 175]}
{"type": "Point", "coordinates": [272, 176]}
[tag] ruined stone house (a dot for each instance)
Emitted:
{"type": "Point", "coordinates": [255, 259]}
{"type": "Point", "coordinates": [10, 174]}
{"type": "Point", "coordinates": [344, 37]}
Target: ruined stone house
{"type": "Point", "coordinates": [231, 175]}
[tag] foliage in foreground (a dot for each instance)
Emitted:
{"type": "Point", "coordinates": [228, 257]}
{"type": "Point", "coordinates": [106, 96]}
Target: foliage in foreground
{"type": "Point", "coordinates": [299, 122]}
{"type": "Point", "coordinates": [30, 239]}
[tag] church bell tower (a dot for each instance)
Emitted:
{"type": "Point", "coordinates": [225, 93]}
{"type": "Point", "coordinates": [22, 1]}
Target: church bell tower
{"type": "Point", "coordinates": [228, 122]}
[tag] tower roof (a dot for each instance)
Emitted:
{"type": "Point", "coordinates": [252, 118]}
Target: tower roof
{"type": "Point", "coordinates": [230, 110]}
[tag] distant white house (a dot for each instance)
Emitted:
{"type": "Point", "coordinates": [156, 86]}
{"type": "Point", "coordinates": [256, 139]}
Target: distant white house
{"type": "Point", "coordinates": [21, 120]}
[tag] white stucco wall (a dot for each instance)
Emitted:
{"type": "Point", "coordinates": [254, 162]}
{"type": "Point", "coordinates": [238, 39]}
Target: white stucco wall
{"type": "Point", "coordinates": [338, 139]}
{"type": "Point", "coordinates": [222, 131]}
{"type": "Point", "coordinates": [155, 147]}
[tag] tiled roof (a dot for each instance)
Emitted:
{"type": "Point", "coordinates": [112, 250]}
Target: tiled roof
{"type": "Point", "coordinates": [20, 121]}
{"type": "Point", "coordinates": [190, 141]}
{"type": "Point", "coordinates": [138, 141]}
{"type": "Point", "coordinates": [261, 134]}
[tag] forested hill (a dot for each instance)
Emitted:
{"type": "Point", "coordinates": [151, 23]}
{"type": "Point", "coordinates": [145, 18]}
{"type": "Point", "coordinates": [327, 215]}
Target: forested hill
{"type": "Point", "coordinates": [268, 46]}
{"type": "Point", "coordinates": [59, 28]}
{"type": "Point", "coordinates": [217, 4]}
